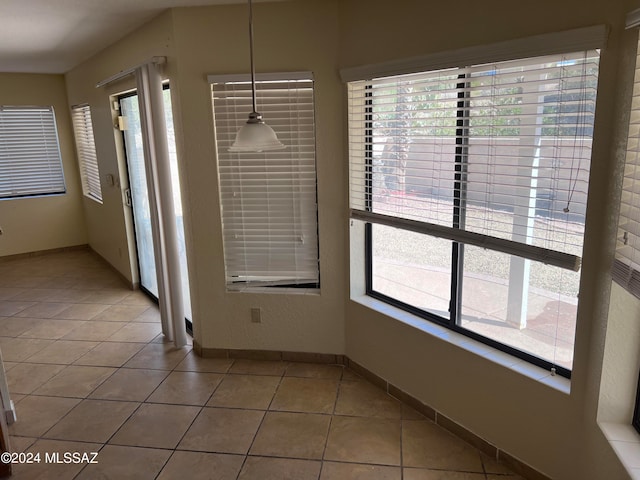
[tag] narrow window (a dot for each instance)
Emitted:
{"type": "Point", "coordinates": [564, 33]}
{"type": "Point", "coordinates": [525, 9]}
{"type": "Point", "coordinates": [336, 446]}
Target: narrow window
{"type": "Point", "coordinates": [86, 148]}
{"type": "Point", "coordinates": [30, 161]}
{"type": "Point", "coordinates": [268, 199]}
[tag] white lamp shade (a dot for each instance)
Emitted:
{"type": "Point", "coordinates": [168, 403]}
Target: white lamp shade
{"type": "Point", "coordinates": [256, 137]}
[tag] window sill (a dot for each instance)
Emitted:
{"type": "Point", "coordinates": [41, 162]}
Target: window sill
{"type": "Point", "coordinates": [541, 375]}
{"type": "Point", "coordinates": [625, 441]}
{"type": "Point", "coordinates": [274, 290]}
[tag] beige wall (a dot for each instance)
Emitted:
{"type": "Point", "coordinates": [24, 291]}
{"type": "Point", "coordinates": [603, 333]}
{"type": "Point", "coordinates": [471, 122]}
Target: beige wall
{"type": "Point", "coordinates": [109, 224]}
{"type": "Point", "coordinates": [555, 432]}
{"type": "Point", "coordinates": [48, 222]}
{"type": "Point", "coordinates": [203, 41]}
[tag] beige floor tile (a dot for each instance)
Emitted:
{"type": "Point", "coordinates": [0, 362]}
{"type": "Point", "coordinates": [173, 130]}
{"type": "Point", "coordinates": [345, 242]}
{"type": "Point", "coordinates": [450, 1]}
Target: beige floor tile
{"type": "Point", "coordinates": [356, 471]}
{"type": "Point", "coordinates": [423, 474]}
{"type": "Point", "coordinates": [313, 395]}
{"type": "Point", "coordinates": [22, 280]}
{"type": "Point", "coordinates": [52, 329]}
{"type": "Point", "coordinates": [186, 388]}
{"type": "Point", "coordinates": [75, 381]}
{"type": "Point", "coordinates": [31, 294]}
{"type": "Point", "coordinates": [36, 414]}
{"type": "Point", "coordinates": [156, 426]}
{"type": "Point", "coordinates": [157, 356]}
{"type": "Point", "coordinates": [136, 332]}
{"type": "Point", "coordinates": [43, 310]}
{"type": "Point", "coordinates": [202, 466]}
{"type": "Point", "coordinates": [92, 421]}
{"type": "Point", "coordinates": [245, 391]}
{"type": "Point", "coordinates": [130, 385]}
{"type": "Point", "coordinates": [239, 427]}
{"type": "Point", "coordinates": [24, 378]}
{"type": "Point", "coordinates": [20, 444]}
{"type": "Point", "coordinates": [52, 470]}
{"type": "Point", "coordinates": [94, 331]}
{"type": "Point", "coordinates": [126, 463]}
{"type": "Point", "coordinates": [9, 365]}
{"type": "Point", "coordinates": [14, 326]}
{"type": "Point", "coordinates": [121, 313]}
{"type": "Point", "coordinates": [106, 296]}
{"type": "Point", "coordinates": [255, 367]}
{"type": "Point", "coordinates": [62, 352]}
{"type": "Point", "coordinates": [363, 399]}
{"type": "Point", "coordinates": [292, 435]}
{"type": "Point", "coordinates": [312, 370]}
{"type": "Point", "coordinates": [19, 349]}
{"type": "Point", "coordinates": [82, 311]}
{"type": "Point", "coordinates": [261, 468]}
{"type": "Point", "coordinates": [110, 354]}
{"type": "Point", "coordinates": [194, 363]}
{"type": "Point", "coordinates": [7, 293]}
{"type": "Point", "coordinates": [426, 445]}
{"type": "Point", "coordinates": [137, 298]}
{"type": "Point", "coordinates": [71, 295]}
{"type": "Point", "coordinates": [504, 477]}
{"type": "Point", "coordinates": [9, 308]}
{"type": "Point", "coordinates": [151, 314]}
{"type": "Point", "coordinates": [59, 282]}
{"type": "Point", "coordinates": [364, 440]}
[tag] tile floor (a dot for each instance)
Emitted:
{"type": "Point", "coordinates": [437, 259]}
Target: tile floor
{"type": "Point", "coordinates": [89, 372]}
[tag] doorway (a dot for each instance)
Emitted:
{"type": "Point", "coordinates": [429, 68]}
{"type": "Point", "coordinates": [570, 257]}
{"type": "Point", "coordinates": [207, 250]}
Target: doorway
{"type": "Point", "coordinates": [139, 197]}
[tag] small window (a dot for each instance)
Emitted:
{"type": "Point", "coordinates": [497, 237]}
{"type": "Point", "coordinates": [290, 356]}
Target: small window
{"type": "Point", "coordinates": [86, 148]}
{"type": "Point", "coordinates": [30, 161]}
{"type": "Point", "coordinates": [268, 199]}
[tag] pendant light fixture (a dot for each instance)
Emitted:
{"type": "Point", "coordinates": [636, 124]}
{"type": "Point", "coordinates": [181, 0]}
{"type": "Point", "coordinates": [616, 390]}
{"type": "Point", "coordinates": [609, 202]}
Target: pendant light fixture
{"type": "Point", "coordinates": [255, 135]}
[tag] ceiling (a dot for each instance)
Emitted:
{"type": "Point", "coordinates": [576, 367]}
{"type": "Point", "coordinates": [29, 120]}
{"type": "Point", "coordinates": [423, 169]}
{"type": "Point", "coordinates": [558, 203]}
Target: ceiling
{"type": "Point", "coordinates": [53, 36]}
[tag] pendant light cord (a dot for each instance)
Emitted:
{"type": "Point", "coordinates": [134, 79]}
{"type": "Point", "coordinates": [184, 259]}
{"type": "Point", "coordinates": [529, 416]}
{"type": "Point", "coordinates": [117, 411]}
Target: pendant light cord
{"type": "Point", "coordinates": [253, 68]}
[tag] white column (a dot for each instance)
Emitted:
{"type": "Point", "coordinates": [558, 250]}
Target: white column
{"type": "Point", "coordinates": [525, 208]}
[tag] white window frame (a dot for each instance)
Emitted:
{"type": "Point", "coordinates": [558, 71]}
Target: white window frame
{"type": "Point", "coordinates": [86, 150]}
{"type": "Point", "coordinates": [268, 199]}
{"type": "Point", "coordinates": [30, 159]}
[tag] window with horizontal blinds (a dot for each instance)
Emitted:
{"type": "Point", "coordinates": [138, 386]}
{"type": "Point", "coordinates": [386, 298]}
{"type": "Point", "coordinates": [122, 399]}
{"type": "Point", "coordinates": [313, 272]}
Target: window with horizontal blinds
{"type": "Point", "coordinates": [268, 199]}
{"type": "Point", "coordinates": [494, 155]}
{"type": "Point", "coordinates": [626, 266]}
{"type": "Point", "coordinates": [471, 182]}
{"type": "Point", "coordinates": [86, 149]}
{"type": "Point", "coordinates": [30, 161]}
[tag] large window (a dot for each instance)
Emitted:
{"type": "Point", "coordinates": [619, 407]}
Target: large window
{"type": "Point", "coordinates": [268, 199]}
{"type": "Point", "coordinates": [86, 149]}
{"type": "Point", "coordinates": [30, 161]}
{"type": "Point", "coordinates": [472, 182]}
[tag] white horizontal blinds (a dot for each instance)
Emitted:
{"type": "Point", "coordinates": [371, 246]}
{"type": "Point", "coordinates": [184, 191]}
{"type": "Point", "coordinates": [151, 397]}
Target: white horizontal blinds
{"type": "Point", "coordinates": [30, 161]}
{"type": "Point", "coordinates": [499, 151]}
{"type": "Point", "coordinates": [268, 199]}
{"type": "Point", "coordinates": [626, 268]}
{"type": "Point", "coordinates": [86, 148]}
